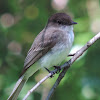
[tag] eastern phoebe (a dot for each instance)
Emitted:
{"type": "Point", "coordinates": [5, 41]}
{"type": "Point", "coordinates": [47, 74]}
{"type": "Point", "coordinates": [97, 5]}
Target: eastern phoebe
{"type": "Point", "coordinates": [50, 48]}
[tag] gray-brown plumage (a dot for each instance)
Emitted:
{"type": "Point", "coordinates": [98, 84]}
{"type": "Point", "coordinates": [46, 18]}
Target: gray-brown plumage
{"type": "Point", "coordinates": [49, 48]}
{"type": "Point", "coordinates": [41, 46]}
{"type": "Point", "coordinates": [46, 39]}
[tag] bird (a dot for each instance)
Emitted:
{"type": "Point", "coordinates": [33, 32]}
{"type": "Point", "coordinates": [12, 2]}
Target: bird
{"type": "Point", "coordinates": [50, 48]}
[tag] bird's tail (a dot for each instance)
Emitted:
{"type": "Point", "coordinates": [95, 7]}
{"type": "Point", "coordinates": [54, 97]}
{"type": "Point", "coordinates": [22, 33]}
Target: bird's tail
{"type": "Point", "coordinates": [20, 83]}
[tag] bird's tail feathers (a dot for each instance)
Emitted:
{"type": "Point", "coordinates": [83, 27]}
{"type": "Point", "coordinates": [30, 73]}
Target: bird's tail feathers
{"type": "Point", "coordinates": [20, 83]}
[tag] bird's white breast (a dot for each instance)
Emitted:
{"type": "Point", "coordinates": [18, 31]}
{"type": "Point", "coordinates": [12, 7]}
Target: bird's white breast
{"type": "Point", "coordinates": [59, 52]}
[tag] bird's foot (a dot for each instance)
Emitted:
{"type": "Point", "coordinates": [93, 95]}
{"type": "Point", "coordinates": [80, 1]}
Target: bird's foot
{"type": "Point", "coordinates": [58, 68]}
{"type": "Point", "coordinates": [52, 72]}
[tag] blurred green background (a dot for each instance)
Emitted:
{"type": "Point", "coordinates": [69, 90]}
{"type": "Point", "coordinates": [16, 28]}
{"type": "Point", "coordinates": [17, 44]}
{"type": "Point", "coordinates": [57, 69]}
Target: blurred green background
{"type": "Point", "coordinates": [22, 20]}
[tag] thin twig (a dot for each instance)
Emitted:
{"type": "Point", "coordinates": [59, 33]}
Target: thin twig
{"type": "Point", "coordinates": [39, 83]}
{"type": "Point", "coordinates": [65, 66]}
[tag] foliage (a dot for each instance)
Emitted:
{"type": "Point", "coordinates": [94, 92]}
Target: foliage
{"type": "Point", "coordinates": [21, 21]}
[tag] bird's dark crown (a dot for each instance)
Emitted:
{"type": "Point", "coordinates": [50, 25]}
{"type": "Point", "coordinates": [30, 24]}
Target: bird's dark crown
{"type": "Point", "coordinates": [61, 18]}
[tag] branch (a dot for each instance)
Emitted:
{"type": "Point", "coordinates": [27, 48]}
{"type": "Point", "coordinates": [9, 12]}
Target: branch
{"type": "Point", "coordinates": [71, 61]}
{"type": "Point", "coordinates": [65, 66]}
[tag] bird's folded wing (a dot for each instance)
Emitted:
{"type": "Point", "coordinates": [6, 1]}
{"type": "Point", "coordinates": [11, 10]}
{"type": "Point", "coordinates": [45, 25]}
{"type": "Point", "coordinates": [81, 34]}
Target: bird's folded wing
{"type": "Point", "coordinates": [41, 45]}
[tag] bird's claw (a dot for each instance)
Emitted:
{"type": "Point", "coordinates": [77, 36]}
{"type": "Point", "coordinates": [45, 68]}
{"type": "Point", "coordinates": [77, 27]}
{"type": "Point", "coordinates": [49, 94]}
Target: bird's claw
{"type": "Point", "coordinates": [58, 68]}
{"type": "Point", "coordinates": [52, 72]}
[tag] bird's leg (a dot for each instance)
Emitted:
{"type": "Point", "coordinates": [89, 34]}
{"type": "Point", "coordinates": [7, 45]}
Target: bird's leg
{"type": "Point", "coordinates": [52, 72]}
{"type": "Point", "coordinates": [58, 68]}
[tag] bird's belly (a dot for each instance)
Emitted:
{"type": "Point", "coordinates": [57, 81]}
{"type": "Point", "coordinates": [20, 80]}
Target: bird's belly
{"type": "Point", "coordinates": [58, 53]}
{"type": "Point", "coordinates": [54, 57]}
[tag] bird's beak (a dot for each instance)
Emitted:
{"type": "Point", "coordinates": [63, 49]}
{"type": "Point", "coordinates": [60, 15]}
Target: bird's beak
{"type": "Point", "coordinates": [74, 23]}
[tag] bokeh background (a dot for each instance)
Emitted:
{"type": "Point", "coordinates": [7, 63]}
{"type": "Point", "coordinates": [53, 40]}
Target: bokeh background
{"type": "Point", "coordinates": [22, 20]}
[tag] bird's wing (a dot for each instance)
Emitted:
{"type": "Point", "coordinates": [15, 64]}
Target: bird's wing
{"type": "Point", "coordinates": [41, 45]}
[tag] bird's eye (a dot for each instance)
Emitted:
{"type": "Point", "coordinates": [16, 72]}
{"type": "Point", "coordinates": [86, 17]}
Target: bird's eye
{"type": "Point", "coordinates": [58, 21]}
